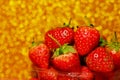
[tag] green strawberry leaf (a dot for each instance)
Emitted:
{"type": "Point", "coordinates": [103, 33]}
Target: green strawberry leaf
{"type": "Point", "coordinates": [69, 49]}
{"type": "Point", "coordinates": [114, 44]}
{"type": "Point", "coordinates": [65, 49]}
{"type": "Point", "coordinates": [56, 53]}
{"type": "Point", "coordinates": [102, 41]}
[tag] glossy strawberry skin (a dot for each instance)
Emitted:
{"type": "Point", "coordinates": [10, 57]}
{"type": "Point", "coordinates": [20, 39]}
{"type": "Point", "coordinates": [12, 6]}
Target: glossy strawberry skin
{"type": "Point", "coordinates": [62, 35]}
{"type": "Point", "coordinates": [66, 62]}
{"type": "Point", "coordinates": [99, 60]}
{"type": "Point", "coordinates": [48, 74]}
{"type": "Point", "coordinates": [86, 39]}
{"type": "Point", "coordinates": [40, 55]}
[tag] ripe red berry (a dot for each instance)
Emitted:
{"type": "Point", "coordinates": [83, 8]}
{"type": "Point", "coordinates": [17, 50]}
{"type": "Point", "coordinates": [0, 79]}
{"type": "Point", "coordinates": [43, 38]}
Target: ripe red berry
{"type": "Point", "coordinates": [40, 55]}
{"type": "Point", "coordinates": [86, 39]}
{"type": "Point", "coordinates": [66, 58]}
{"type": "Point", "coordinates": [99, 60]}
{"type": "Point", "coordinates": [62, 35]}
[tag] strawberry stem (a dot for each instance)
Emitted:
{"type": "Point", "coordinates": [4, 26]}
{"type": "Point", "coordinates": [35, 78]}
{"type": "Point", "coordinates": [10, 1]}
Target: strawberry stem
{"type": "Point", "coordinates": [114, 44]}
{"type": "Point", "coordinates": [67, 25]}
{"type": "Point", "coordinates": [87, 20]}
{"type": "Point", "coordinates": [115, 37]}
{"type": "Point", "coordinates": [34, 43]}
{"type": "Point", "coordinates": [54, 40]}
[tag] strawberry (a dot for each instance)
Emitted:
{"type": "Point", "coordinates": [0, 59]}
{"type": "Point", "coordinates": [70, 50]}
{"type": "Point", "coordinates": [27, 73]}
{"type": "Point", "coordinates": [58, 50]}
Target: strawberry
{"type": "Point", "coordinates": [86, 73]}
{"type": "Point", "coordinates": [99, 60]}
{"type": "Point", "coordinates": [113, 48]}
{"type": "Point", "coordinates": [86, 39]}
{"type": "Point", "coordinates": [66, 58]}
{"type": "Point", "coordinates": [33, 79]}
{"type": "Point", "coordinates": [116, 57]}
{"type": "Point", "coordinates": [48, 74]}
{"type": "Point", "coordinates": [83, 74]}
{"type": "Point", "coordinates": [65, 76]}
{"type": "Point", "coordinates": [61, 34]}
{"type": "Point", "coordinates": [40, 55]}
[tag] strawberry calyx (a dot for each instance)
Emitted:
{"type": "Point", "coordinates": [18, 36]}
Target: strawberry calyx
{"type": "Point", "coordinates": [68, 24]}
{"type": "Point", "coordinates": [102, 42]}
{"type": "Point", "coordinates": [87, 20]}
{"type": "Point", "coordinates": [114, 44]}
{"type": "Point", "coordinates": [35, 43]}
{"type": "Point", "coordinates": [65, 49]}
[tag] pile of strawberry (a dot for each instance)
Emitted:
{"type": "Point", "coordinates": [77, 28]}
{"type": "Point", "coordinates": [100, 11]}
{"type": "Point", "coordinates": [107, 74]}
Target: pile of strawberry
{"type": "Point", "coordinates": [76, 55]}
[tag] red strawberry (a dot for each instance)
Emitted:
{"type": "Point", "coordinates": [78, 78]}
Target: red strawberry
{"type": "Point", "coordinates": [116, 57]}
{"type": "Point", "coordinates": [47, 74]}
{"type": "Point", "coordinates": [34, 79]}
{"type": "Point", "coordinates": [113, 48]}
{"type": "Point", "coordinates": [40, 55]}
{"type": "Point", "coordinates": [66, 58]}
{"type": "Point", "coordinates": [82, 74]}
{"type": "Point", "coordinates": [65, 76]}
{"type": "Point", "coordinates": [62, 35]}
{"type": "Point", "coordinates": [99, 60]}
{"type": "Point", "coordinates": [86, 39]}
{"type": "Point", "coordinates": [86, 74]}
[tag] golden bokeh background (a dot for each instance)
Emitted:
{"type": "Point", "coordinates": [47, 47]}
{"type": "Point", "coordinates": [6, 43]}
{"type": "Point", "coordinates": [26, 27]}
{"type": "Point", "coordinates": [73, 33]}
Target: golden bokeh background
{"type": "Point", "coordinates": [23, 20]}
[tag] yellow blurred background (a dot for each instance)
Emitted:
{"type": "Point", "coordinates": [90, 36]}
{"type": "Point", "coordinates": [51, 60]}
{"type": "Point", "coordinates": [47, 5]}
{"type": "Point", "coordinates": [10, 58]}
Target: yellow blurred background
{"type": "Point", "coordinates": [23, 20]}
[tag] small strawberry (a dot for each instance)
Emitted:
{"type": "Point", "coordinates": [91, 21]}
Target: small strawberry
{"type": "Point", "coordinates": [113, 48]}
{"type": "Point", "coordinates": [40, 55]}
{"type": "Point", "coordinates": [86, 39]}
{"type": "Point", "coordinates": [86, 73]}
{"type": "Point", "coordinates": [99, 60]}
{"type": "Point", "coordinates": [48, 74]}
{"type": "Point", "coordinates": [33, 79]}
{"type": "Point", "coordinates": [66, 58]}
{"type": "Point", "coordinates": [65, 76]}
{"type": "Point", "coordinates": [61, 34]}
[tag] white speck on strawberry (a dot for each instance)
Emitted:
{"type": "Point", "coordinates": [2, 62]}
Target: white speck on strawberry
{"type": "Point", "coordinates": [99, 60]}
{"type": "Point", "coordinates": [96, 56]}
